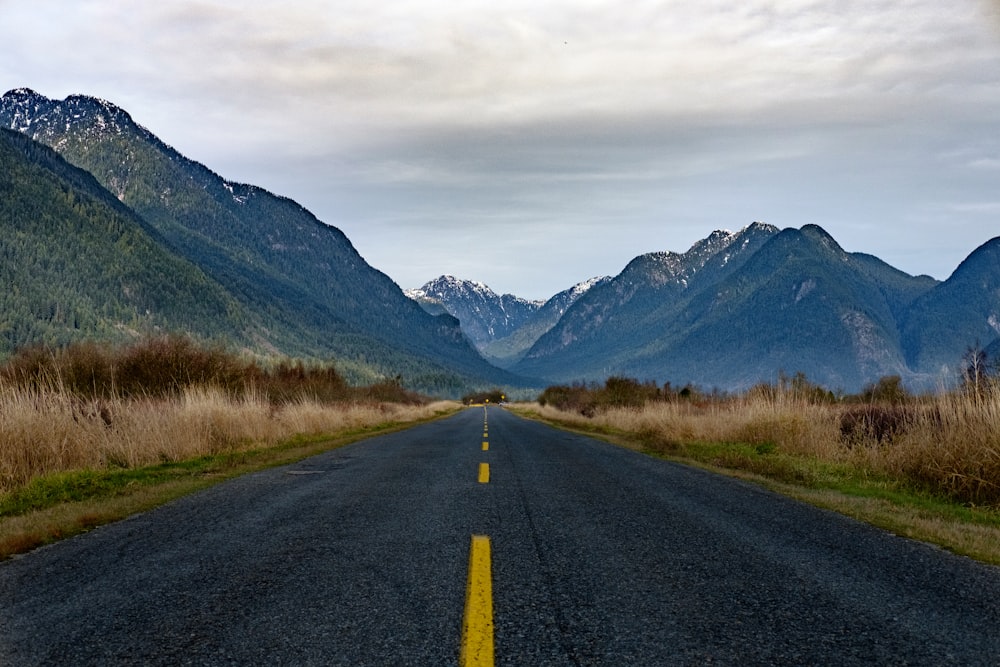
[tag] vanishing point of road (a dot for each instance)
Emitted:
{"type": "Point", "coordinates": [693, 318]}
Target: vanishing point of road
{"type": "Point", "coordinates": [491, 539]}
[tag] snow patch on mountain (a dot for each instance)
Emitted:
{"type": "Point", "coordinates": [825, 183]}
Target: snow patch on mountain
{"type": "Point", "coordinates": [487, 317]}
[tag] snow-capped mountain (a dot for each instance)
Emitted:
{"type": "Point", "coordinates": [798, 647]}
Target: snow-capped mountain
{"type": "Point", "coordinates": [504, 326]}
{"type": "Point", "coordinates": [735, 309]}
{"type": "Point", "coordinates": [484, 315]}
{"type": "Point", "coordinates": [505, 352]}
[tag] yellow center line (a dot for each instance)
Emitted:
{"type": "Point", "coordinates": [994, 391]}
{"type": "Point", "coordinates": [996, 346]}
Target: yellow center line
{"type": "Point", "coordinates": [486, 446]}
{"type": "Point", "coordinates": [477, 627]}
{"type": "Point", "coordinates": [484, 473]}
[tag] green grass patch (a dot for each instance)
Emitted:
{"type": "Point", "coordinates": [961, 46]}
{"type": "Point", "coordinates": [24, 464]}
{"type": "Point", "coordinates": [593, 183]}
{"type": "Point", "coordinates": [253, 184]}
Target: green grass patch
{"type": "Point", "coordinates": [78, 485]}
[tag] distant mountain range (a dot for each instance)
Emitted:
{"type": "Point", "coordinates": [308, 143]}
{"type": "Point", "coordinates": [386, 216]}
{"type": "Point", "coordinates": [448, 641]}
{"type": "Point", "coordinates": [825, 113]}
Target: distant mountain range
{"type": "Point", "coordinates": [740, 308]}
{"type": "Point", "coordinates": [107, 233]}
{"type": "Point", "coordinates": [502, 327]}
{"type": "Point", "coordinates": [216, 258]}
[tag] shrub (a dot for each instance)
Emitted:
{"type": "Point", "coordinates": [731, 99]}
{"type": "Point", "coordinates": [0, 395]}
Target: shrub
{"type": "Point", "coordinates": [570, 398]}
{"type": "Point", "coordinates": [876, 423]}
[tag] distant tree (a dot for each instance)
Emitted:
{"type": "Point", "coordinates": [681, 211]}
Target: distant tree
{"type": "Point", "coordinates": [888, 389]}
{"type": "Point", "coordinates": [577, 397]}
{"type": "Point", "coordinates": [977, 371]}
{"type": "Point", "coordinates": [628, 392]}
{"type": "Point", "coordinates": [800, 387]}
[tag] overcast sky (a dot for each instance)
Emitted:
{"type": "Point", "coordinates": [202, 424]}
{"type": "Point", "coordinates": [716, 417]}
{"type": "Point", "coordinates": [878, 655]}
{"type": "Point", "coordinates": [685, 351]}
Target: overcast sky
{"type": "Point", "coordinates": [532, 144]}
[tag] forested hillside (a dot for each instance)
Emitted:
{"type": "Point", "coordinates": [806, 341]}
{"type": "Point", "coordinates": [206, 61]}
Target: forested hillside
{"type": "Point", "coordinates": [738, 309]}
{"type": "Point", "coordinates": [75, 263]}
{"type": "Point", "coordinates": [312, 292]}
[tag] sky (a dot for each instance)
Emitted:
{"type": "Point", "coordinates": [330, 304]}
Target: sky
{"type": "Point", "coordinates": [532, 144]}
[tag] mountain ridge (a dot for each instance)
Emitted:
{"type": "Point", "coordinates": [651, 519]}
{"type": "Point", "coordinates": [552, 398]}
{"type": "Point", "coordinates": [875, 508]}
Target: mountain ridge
{"type": "Point", "coordinates": [301, 276]}
{"type": "Point", "coordinates": [739, 308]}
{"type": "Point", "coordinates": [735, 309]}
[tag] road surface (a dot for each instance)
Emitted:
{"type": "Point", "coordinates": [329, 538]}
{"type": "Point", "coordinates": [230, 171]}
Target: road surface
{"type": "Point", "coordinates": [599, 556]}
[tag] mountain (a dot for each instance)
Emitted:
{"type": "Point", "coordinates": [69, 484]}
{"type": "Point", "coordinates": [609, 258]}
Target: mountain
{"type": "Point", "coordinates": [78, 264]}
{"type": "Point", "coordinates": [502, 327]}
{"type": "Point", "coordinates": [508, 350]}
{"type": "Point", "coordinates": [484, 315]}
{"type": "Point", "coordinates": [961, 312]}
{"type": "Point", "coordinates": [736, 309]}
{"type": "Point", "coordinates": [313, 293]}
{"type": "Point", "coordinates": [617, 318]}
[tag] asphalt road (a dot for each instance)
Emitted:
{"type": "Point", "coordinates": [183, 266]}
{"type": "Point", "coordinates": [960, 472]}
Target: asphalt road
{"type": "Point", "coordinates": [600, 556]}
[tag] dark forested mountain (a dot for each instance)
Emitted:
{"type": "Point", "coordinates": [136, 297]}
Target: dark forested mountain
{"type": "Point", "coordinates": [737, 309]}
{"type": "Point", "coordinates": [741, 308]}
{"type": "Point", "coordinates": [301, 278]}
{"type": "Point", "coordinates": [76, 263]}
{"type": "Point", "coordinates": [637, 309]}
{"type": "Point", "coordinates": [961, 312]}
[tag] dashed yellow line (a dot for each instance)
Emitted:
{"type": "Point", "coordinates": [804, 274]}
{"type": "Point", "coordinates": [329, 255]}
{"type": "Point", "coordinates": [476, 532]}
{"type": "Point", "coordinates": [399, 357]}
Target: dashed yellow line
{"type": "Point", "coordinates": [477, 628]}
{"type": "Point", "coordinates": [484, 473]}
{"type": "Point", "coordinates": [486, 446]}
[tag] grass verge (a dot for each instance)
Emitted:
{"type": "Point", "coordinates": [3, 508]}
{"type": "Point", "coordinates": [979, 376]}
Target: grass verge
{"type": "Point", "coordinates": [62, 504]}
{"type": "Point", "coordinates": [879, 499]}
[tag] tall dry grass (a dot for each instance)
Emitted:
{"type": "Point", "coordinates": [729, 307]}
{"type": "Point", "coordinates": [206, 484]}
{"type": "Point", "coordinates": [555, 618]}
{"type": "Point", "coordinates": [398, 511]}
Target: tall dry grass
{"type": "Point", "coordinates": [795, 426]}
{"type": "Point", "coordinates": [45, 430]}
{"type": "Point", "coordinates": [948, 444]}
{"type": "Point", "coordinates": [952, 445]}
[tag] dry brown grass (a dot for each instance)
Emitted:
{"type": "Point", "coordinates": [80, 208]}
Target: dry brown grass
{"type": "Point", "coordinates": [793, 426]}
{"type": "Point", "coordinates": [948, 445]}
{"type": "Point", "coordinates": [952, 446]}
{"type": "Point", "coordinates": [45, 431]}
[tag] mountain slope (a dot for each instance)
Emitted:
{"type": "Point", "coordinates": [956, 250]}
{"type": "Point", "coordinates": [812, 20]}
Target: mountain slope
{"type": "Point", "coordinates": [507, 351]}
{"type": "Point", "coordinates": [735, 310]}
{"type": "Point", "coordinates": [77, 264]}
{"type": "Point", "coordinates": [305, 280]}
{"type": "Point", "coordinates": [800, 304]}
{"type": "Point", "coordinates": [484, 315]}
{"type": "Point", "coordinates": [637, 308]}
{"type": "Point", "coordinates": [957, 314]}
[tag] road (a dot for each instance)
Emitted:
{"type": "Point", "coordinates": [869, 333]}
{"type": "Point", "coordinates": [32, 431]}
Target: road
{"type": "Point", "coordinates": [600, 556]}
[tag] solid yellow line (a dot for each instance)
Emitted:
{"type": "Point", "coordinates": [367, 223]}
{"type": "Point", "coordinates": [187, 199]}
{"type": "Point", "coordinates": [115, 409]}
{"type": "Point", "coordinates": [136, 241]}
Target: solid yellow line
{"type": "Point", "coordinates": [477, 628]}
{"type": "Point", "coordinates": [484, 473]}
{"type": "Point", "coordinates": [486, 446]}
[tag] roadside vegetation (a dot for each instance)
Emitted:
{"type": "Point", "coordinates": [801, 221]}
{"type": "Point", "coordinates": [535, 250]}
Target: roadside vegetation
{"type": "Point", "coordinates": [91, 424]}
{"type": "Point", "coordinates": [923, 466]}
